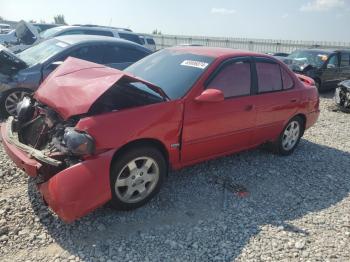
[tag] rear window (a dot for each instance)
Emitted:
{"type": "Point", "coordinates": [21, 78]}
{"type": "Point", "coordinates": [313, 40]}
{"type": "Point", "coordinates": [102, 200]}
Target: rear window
{"type": "Point", "coordinates": [150, 41]}
{"type": "Point", "coordinates": [131, 37]}
{"type": "Point", "coordinates": [269, 77]}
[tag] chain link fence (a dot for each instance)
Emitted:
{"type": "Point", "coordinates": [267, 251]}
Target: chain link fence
{"type": "Point", "coordinates": [256, 45]}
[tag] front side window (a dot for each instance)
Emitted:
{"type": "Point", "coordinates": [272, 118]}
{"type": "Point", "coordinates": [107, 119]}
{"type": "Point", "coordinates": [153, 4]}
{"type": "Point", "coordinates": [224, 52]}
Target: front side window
{"type": "Point", "coordinates": [89, 53]}
{"type": "Point", "coordinates": [233, 80]}
{"type": "Point", "coordinates": [269, 77]}
{"type": "Point", "coordinates": [120, 54]}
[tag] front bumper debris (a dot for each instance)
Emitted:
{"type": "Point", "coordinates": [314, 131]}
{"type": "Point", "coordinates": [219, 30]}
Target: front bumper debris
{"type": "Point", "coordinates": [12, 139]}
{"type": "Point", "coordinates": [71, 193]}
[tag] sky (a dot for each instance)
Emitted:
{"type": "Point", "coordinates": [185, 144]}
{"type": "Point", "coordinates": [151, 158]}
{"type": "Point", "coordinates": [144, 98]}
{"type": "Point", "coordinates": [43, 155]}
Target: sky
{"type": "Point", "coordinates": [321, 20]}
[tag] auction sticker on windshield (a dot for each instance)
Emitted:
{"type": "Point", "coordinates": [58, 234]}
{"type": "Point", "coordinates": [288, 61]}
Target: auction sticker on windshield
{"type": "Point", "coordinates": [196, 64]}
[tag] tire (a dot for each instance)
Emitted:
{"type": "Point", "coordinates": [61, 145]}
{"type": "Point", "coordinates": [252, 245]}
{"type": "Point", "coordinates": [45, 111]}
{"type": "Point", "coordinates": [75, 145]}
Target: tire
{"type": "Point", "coordinates": [10, 99]}
{"type": "Point", "coordinates": [287, 142]}
{"type": "Point", "coordinates": [136, 177]}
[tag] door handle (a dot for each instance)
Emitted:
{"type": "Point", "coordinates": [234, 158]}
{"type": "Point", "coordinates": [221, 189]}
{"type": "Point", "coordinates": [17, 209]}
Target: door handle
{"type": "Point", "coordinates": [249, 107]}
{"type": "Point", "coordinates": [293, 100]}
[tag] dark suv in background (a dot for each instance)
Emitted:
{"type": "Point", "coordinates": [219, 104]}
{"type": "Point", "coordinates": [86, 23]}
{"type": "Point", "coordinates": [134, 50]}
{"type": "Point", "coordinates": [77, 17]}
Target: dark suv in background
{"type": "Point", "coordinates": [327, 67]}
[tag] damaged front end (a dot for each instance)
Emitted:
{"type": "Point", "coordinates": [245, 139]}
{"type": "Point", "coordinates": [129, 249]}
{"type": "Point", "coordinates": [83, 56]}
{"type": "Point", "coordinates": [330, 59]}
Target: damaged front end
{"type": "Point", "coordinates": [71, 167]}
{"type": "Point", "coordinates": [44, 136]}
{"type": "Point", "coordinates": [342, 96]}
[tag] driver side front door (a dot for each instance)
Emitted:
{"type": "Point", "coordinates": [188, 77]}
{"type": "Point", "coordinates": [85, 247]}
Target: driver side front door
{"type": "Point", "coordinates": [216, 128]}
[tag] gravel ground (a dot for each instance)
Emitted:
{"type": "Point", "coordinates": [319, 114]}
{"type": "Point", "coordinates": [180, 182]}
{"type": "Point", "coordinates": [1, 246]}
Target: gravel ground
{"type": "Point", "coordinates": [298, 209]}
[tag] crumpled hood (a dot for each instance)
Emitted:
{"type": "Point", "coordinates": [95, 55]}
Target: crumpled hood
{"type": "Point", "coordinates": [75, 85]}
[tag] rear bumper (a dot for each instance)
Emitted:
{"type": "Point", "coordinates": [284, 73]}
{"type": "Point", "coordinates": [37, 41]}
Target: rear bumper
{"type": "Point", "coordinates": [72, 192]}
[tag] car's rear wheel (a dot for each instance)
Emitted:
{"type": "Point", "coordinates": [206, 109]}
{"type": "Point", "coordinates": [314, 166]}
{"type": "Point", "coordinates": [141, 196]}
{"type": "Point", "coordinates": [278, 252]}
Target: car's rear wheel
{"type": "Point", "coordinates": [10, 100]}
{"type": "Point", "coordinates": [290, 136]}
{"type": "Point", "coordinates": [136, 177]}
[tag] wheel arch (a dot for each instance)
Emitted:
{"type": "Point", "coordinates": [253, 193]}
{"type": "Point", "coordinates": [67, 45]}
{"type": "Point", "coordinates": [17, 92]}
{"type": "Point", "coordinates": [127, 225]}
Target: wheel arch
{"type": "Point", "coordinates": [142, 142]}
{"type": "Point", "coordinates": [303, 117]}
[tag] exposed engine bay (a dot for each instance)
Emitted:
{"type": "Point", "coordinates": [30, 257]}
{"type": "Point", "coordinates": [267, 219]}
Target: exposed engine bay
{"type": "Point", "coordinates": [42, 133]}
{"type": "Point", "coordinates": [342, 96]}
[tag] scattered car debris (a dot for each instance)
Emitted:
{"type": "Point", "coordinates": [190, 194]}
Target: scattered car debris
{"type": "Point", "coordinates": [229, 184]}
{"type": "Point", "coordinates": [342, 96]}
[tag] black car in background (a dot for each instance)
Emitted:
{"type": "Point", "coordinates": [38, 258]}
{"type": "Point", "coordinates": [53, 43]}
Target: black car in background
{"type": "Point", "coordinates": [326, 67]}
{"type": "Point", "coordinates": [22, 73]}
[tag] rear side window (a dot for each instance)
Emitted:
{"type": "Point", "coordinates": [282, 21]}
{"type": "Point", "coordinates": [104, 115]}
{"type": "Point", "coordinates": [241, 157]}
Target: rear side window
{"type": "Point", "coordinates": [121, 54]}
{"type": "Point", "coordinates": [150, 41]}
{"type": "Point", "coordinates": [89, 53]}
{"type": "Point", "coordinates": [287, 80]}
{"type": "Point", "coordinates": [269, 77]}
{"type": "Point", "coordinates": [131, 37]}
{"type": "Point", "coordinates": [233, 80]}
{"type": "Point", "coordinates": [345, 59]}
{"type": "Point", "coordinates": [97, 32]}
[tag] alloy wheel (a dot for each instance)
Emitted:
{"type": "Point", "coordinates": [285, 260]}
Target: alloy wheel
{"type": "Point", "coordinates": [137, 180]}
{"type": "Point", "coordinates": [291, 135]}
{"type": "Point", "coordinates": [12, 100]}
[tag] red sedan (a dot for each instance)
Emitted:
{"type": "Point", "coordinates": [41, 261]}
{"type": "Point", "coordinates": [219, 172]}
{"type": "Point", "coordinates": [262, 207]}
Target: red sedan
{"type": "Point", "coordinates": [93, 134]}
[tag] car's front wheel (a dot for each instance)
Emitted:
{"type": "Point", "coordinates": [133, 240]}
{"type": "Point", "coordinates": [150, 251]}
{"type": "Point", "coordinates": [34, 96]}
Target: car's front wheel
{"type": "Point", "coordinates": [290, 136]}
{"type": "Point", "coordinates": [136, 177]}
{"type": "Point", "coordinates": [10, 100]}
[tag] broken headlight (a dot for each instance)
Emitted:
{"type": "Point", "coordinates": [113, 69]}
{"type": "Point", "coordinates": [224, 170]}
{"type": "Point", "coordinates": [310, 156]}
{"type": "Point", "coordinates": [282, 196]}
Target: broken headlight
{"type": "Point", "coordinates": [78, 143]}
{"type": "Point", "coordinates": [25, 110]}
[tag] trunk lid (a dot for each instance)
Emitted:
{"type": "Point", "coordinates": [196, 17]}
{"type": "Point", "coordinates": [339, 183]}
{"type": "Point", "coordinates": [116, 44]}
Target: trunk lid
{"type": "Point", "coordinates": [76, 85]}
{"type": "Point", "coordinates": [9, 62]}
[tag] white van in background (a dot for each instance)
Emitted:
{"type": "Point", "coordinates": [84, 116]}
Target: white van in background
{"type": "Point", "coordinates": [148, 42]}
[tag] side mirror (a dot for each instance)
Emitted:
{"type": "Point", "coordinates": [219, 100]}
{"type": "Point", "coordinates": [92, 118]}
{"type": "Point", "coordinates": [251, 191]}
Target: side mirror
{"type": "Point", "coordinates": [330, 66]}
{"type": "Point", "coordinates": [210, 95]}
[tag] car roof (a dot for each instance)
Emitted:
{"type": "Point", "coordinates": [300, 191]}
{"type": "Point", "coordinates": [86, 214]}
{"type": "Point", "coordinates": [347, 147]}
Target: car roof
{"type": "Point", "coordinates": [215, 51]}
{"type": "Point", "coordinates": [80, 39]}
{"type": "Point", "coordinates": [93, 27]}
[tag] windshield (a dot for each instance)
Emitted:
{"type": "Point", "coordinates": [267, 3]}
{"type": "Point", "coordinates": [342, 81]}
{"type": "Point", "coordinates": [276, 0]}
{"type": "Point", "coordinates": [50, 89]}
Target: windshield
{"type": "Point", "coordinates": [50, 32]}
{"type": "Point", "coordinates": [173, 71]}
{"type": "Point", "coordinates": [310, 57]}
{"type": "Point", "coordinates": [42, 51]}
